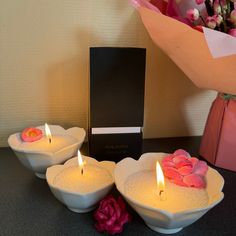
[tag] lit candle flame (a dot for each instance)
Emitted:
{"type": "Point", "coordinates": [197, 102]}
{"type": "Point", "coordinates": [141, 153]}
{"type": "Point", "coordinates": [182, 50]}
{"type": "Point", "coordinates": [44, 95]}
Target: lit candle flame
{"type": "Point", "coordinates": [48, 133]}
{"type": "Point", "coordinates": [81, 163]}
{"type": "Point", "coordinates": [160, 182]}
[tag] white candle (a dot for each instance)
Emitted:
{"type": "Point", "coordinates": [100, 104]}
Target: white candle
{"type": "Point", "coordinates": [87, 179]}
{"type": "Point", "coordinates": [40, 154]}
{"type": "Point", "coordinates": [142, 187]}
{"type": "Point", "coordinates": [48, 143]}
{"type": "Point", "coordinates": [59, 142]}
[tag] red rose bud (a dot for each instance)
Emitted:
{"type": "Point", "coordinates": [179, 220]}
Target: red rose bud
{"type": "Point", "coordinates": [111, 215]}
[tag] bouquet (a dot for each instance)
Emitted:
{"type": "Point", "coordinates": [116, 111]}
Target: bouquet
{"type": "Point", "coordinates": [217, 14]}
{"type": "Point", "coordinates": [199, 36]}
{"type": "Point", "coordinates": [207, 57]}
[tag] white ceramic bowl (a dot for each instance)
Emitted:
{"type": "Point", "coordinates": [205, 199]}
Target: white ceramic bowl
{"type": "Point", "coordinates": [76, 201]}
{"type": "Point", "coordinates": [38, 159]}
{"type": "Point", "coordinates": [160, 220]}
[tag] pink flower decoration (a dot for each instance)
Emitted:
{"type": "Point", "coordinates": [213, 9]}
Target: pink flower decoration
{"type": "Point", "coordinates": [232, 32]}
{"type": "Point", "coordinates": [193, 14]}
{"type": "Point", "coordinates": [218, 19]}
{"type": "Point", "coordinates": [31, 134]}
{"type": "Point", "coordinates": [184, 170]}
{"type": "Point", "coordinates": [111, 215]}
{"type": "Point", "coordinates": [199, 1]}
{"type": "Point", "coordinates": [233, 16]}
{"type": "Point", "coordinates": [211, 22]}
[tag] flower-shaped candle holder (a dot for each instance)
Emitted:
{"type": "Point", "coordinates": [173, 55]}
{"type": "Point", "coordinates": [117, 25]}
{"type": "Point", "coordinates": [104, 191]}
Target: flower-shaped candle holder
{"type": "Point", "coordinates": [80, 190]}
{"type": "Point", "coordinates": [179, 207]}
{"type": "Point", "coordinates": [41, 154]}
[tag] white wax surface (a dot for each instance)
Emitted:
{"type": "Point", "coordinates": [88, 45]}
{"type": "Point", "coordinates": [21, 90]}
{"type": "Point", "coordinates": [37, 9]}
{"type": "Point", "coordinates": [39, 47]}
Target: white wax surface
{"type": "Point", "coordinates": [142, 187]}
{"type": "Point", "coordinates": [58, 142]}
{"type": "Point", "coordinates": [94, 178]}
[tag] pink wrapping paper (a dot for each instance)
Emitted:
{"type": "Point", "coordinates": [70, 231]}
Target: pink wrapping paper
{"type": "Point", "coordinates": [189, 50]}
{"type": "Point", "coordinates": [218, 142]}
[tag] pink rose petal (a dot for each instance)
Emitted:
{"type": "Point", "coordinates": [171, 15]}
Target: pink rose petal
{"type": "Point", "coordinates": [172, 173]}
{"type": "Point", "coordinates": [194, 180]}
{"type": "Point", "coordinates": [193, 160]}
{"type": "Point", "coordinates": [125, 218]}
{"type": "Point", "coordinates": [182, 164]}
{"type": "Point", "coordinates": [181, 152]}
{"type": "Point", "coordinates": [168, 158]}
{"type": "Point", "coordinates": [185, 170]}
{"type": "Point", "coordinates": [100, 216]}
{"type": "Point", "coordinates": [179, 182]}
{"type": "Point", "coordinates": [201, 168]}
{"type": "Point", "coordinates": [114, 229]}
{"type": "Point", "coordinates": [168, 164]}
{"type": "Point", "coordinates": [180, 158]}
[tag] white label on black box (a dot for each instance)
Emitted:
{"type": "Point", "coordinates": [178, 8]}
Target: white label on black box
{"type": "Point", "coordinates": [116, 130]}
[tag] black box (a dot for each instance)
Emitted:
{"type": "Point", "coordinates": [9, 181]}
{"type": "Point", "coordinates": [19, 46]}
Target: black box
{"type": "Point", "coordinates": [117, 78]}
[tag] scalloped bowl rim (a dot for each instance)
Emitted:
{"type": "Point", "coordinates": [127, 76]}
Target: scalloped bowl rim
{"type": "Point", "coordinates": [50, 176]}
{"type": "Point", "coordinates": [165, 212]}
{"type": "Point", "coordinates": [79, 139]}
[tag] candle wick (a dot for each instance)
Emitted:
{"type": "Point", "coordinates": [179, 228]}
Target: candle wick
{"type": "Point", "coordinates": [82, 171]}
{"type": "Point", "coordinates": [162, 195]}
{"type": "Point", "coordinates": [160, 192]}
{"type": "Point", "coordinates": [50, 140]}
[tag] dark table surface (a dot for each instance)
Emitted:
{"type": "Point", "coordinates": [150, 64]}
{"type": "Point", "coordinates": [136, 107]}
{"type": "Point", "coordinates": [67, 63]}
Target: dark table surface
{"type": "Point", "coordinates": [27, 207]}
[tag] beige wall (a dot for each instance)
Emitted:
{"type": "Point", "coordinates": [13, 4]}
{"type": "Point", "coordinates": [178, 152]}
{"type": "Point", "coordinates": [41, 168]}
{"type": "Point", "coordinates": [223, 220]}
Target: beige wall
{"type": "Point", "coordinates": [44, 67]}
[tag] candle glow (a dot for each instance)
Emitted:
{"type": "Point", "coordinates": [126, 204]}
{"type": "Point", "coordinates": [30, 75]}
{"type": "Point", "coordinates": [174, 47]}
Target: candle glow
{"type": "Point", "coordinates": [80, 162]}
{"type": "Point", "coordinates": [160, 181]}
{"type": "Point", "coordinates": [48, 133]}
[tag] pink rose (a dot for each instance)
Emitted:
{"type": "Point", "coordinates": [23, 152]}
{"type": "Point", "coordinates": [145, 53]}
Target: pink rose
{"type": "Point", "coordinates": [233, 16]}
{"type": "Point", "coordinates": [184, 170]}
{"type": "Point", "coordinates": [31, 134]}
{"type": "Point", "coordinates": [211, 22]}
{"type": "Point", "coordinates": [111, 215]}
{"type": "Point", "coordinates": [232, 32]}
{"type": "Point", "coordinates": [218, 19]}
{"type": "Point", "coordinates": [199, 1]}
{"type": "Point", "coordinates": [193, 14]}
{"type": "Point", "coordinates": [217, 8]}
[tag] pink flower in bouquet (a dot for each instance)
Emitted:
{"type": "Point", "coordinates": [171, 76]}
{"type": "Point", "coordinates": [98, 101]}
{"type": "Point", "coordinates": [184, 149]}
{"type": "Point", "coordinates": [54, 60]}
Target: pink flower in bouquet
{"type": "Point", "coordinates": [111, 215]}
{"type": "Point", "coordinates": [193, 14]}
{"type": "Point", "coordinates": [199, 1]}
{"type": "Point", "coordinates": [217, 8]}
{"type": "Point", "coordinates": [218, 19]}
{"type": "Point", "coordinates": [184, 170]}
{"type": "Point", "coordinates": [218, 15]}
{"type": "Point", "coordinates": [232, 32]}
{"type": "Point", "coordinates": [211, 22]}
{"type": "Point", "coordinates": [233, 17]}
{"type": "Point", "coordinates": [31, 134]}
